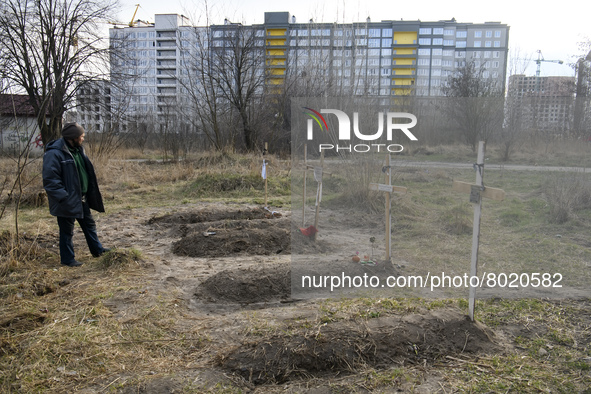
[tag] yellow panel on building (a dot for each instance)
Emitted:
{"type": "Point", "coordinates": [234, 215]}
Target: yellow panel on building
{"type": "Point", "coordinates": [405, 37]}
{"type": "Point", "coordinates": [276, 62]}
{"type": "Point", "coordinates": [276, 32]}
{"type": "Point", "coordinates": [275, 42]}
{"type": "Point", "coordinates": [275, 52]}
{"type": "Point", "coordinates": [405, 51]}
{"type": "Point", "coordinates": [403, 62]}
{"type": "Point", "coordinates": [403, 71]}
{"type": "Point", "coordinates": [277, 71]}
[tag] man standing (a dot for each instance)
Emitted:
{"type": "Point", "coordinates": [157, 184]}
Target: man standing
{"type": "Point", "coordinates": [72, 190]}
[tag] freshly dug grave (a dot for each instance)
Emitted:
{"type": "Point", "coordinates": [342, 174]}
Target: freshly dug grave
{"type": "Point", "coordinates": [344, 347]}
{"type": "Point", "coordinates": [229, 232]}
{"type": "Point", "coordinates": [253, 237]}
{"type": "Point", "coordinates": [246, 286]}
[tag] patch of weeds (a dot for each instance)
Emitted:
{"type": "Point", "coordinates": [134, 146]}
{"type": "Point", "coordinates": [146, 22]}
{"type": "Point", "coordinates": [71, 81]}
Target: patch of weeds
{"type": "Point", "coordinates": [456, 219]}
{"type": "Point", "coordinates": [566, 195]}
{"type": "Point", "coordinates": [236, 185]}
{"type": "Point", "coordinates": [118, 258]}
{"type": "Point", "coordinates": [514, 215]}
{"type": "Point", "coordinates": [390, 378]}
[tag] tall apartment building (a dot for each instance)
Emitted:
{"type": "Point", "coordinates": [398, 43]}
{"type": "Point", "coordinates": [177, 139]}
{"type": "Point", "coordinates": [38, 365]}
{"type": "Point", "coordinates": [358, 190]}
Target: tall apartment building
{"type": "Point", "coordinates": [546, 104]}
{"type": "Point", "coordinates": [147, 76]}
{"type": "Point", "coordinates": [382, 59]}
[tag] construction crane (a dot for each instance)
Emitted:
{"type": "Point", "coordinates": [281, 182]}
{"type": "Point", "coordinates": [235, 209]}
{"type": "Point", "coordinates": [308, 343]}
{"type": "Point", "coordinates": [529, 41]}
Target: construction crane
{"type": "Point", "coordinates": [541, 59]}
{"type": "Point", "coordinates": [538, 66]}
{"type": "Point", "coordinates": [131, 24]}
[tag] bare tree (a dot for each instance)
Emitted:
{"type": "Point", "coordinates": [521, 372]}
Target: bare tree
{"type": "Point", "coordinates": [237, 69]}
{"type": "Point", "coordinates": [49, 47]}
{"type": "Point", "coordinates": [474, 103]}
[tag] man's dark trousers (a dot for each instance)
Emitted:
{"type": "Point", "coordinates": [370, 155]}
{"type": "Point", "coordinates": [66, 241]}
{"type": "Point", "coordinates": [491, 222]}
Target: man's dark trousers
{"type": "Point", "coordinates": [88, 226]}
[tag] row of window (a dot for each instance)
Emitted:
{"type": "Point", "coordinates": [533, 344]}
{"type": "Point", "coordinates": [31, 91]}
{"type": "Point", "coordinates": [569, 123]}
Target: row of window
{"type": "Point", "coordinates": [459, 33]}
{"type": "Point", "coordinates": [458, 44]}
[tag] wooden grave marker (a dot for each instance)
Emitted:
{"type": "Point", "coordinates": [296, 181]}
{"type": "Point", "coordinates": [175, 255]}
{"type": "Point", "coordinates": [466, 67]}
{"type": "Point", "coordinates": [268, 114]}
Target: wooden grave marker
{"type": "Point", "coordinates": [477, 192]}
{"type": "Point", "coordinates": [388, 189]}
{"type": "Point", "coordinates": [318, 174]}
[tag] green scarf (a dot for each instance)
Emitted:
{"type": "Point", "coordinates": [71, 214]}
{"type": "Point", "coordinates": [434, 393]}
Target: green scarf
{"type": "Point", "coordinates": [81, 167]}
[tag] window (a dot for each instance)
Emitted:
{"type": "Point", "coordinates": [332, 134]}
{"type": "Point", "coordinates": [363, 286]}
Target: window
{"type": "Point", "coordinates": [423, 62]}
{"type": "Point", "coordinates": [438, 41]}
{"type": "Point", "coordinates": [315, 32]}
{"type": "Point", "coordinates": [424, 41]}
{"type": "Point", "coordinates": [477, 34]}
{"type": "Point", "coordinates": [386, 62]}
{"type": "Point", "coordinates": [386, 42]}
{"type": "Point", "coordinates": [448, 32]}
{"type": "Point", "coordinates": [488, 34]}
{"type": "Point", "coordinates": [385, 71]}
{"type": "Point", "coordinates": [487, 54]}
{"type": "Point", "coordinates": [477, 44]}
{"type": "Point", "coordinates": [424, 52]}
{"type": "Point", "coordinates": [373, 43]}
{"type": "Point", "coordinates": [460, 54]}
{"type": "Point", "coordinates": [496, 54]}
{"type": "Point", "coordinates": [497, 34]}
{"type": "Point", "coordinates": [436, 62]}
{"type": "Point", "coordinates": [338, 43]}
{"type": "Point", "coordinates": [487, 44]}
{"type": "Point", "coordinates": [448, 42]}
{"type": "Point", "coordinates": [495, 64]}
{"type": "Point", "coordinates": [423, 71]}
{"type": "Point", "coordinates": [425, 30]}
{"type": "Point", "coordinates": [386, 32]}
{"type": "Point", "coordinates": [386, 52]}
{"type": "Point", "coordinates": [438, 30]}
{"type": "Point", "coordinates": [374, 32]}
{"type": "Point", "coordinates": [497, 44]}
{"type": "Point", "coordinates": [303, 33]}
{"type": "Point", "coordinates": [360, 32]}
{"type": "Point", "coordinates": [373, 52]}
{"type": "Point", "coordinates": [460, 44]}
{"type": "Point", "coordinates": [437, 51]}
{"type": "Point", "coordinates": [461, 34]}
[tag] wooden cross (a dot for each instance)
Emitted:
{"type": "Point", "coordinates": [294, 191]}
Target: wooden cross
{"type": "Point", "coordinates": [318, 173]}
{"type": "Point", "coordinates": [388, 189]}
{"type": "Point", "coordinates": [477, 192]}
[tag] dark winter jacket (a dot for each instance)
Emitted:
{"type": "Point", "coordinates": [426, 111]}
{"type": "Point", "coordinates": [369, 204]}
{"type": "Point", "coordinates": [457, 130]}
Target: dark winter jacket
{"type": "Point", "coordinates": [61, 182]}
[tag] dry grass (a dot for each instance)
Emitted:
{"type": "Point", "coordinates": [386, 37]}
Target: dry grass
{"type": "Point", "coordinates": [100, 329]}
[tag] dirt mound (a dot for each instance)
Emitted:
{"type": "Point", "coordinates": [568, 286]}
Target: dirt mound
{"type": "Point", "coordinates": [346, 346]}
{"type": "Point", "coordinates": [247, 286]}
{"type": "Point", "coordinates": [214, 232]}
{"type": "Point", "coordinates": [211, 215]}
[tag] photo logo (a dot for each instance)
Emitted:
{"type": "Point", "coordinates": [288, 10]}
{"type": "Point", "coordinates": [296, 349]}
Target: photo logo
{"type": "Point", "coordinates": [344, 129]}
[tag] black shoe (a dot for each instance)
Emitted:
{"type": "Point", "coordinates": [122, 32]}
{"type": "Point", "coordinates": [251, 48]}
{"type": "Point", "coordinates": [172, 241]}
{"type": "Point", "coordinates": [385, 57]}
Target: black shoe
{"type": "Point", "coordinates": [74, 263]}
{"type": "Point", "coordinates": [105, 250]}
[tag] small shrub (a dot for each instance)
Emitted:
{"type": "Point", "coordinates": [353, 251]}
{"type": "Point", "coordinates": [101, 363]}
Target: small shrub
{"type": "Point", "coordinates": [566, 195]}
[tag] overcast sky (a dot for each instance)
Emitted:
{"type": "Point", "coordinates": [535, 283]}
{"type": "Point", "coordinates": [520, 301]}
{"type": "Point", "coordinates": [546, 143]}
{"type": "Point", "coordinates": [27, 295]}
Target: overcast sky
{"type": "Point", "coordinates": [556, 30]}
